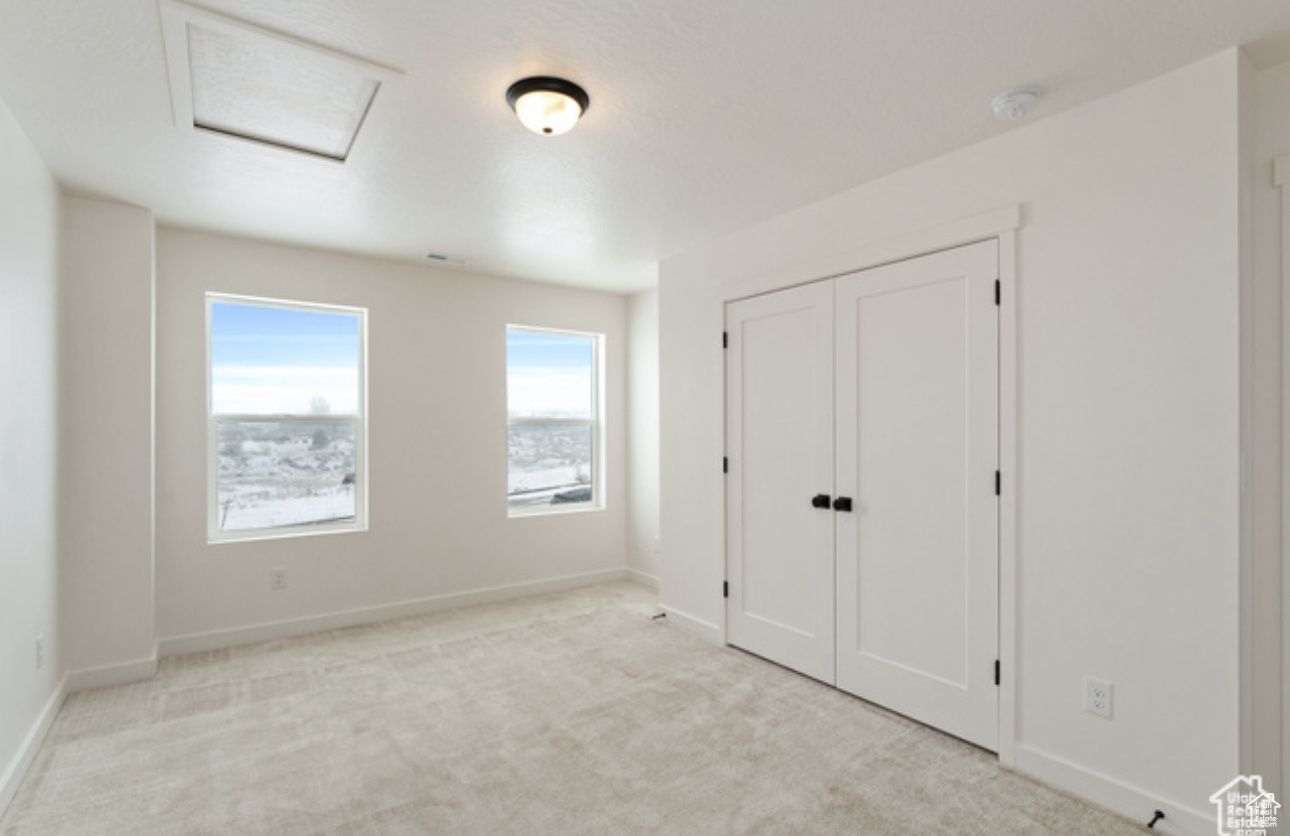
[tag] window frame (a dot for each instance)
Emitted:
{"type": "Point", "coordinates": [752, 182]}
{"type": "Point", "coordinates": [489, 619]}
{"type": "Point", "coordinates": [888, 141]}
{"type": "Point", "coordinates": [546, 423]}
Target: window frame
{"type": "Point", "coordinates": [359, 421]}
{"type": "Point", "coordinates": [595, 422]}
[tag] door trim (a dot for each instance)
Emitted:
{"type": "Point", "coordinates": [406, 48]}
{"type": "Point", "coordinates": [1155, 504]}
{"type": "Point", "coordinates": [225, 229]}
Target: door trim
{"type": "Point", "coordinates": [1002, 224]}
{"type": "Point", "coordinates": [914, 245]}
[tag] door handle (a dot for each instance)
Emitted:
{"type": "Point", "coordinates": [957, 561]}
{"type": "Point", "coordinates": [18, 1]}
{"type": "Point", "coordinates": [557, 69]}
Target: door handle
{"type": "Point", "coordinates": [821, 500]}
{"type": "Point", "coordinates": [842, 503]}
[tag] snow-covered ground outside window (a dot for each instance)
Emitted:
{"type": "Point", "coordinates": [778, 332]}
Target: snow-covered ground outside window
{"type": "Point", "coordinates": [549, 465]}
{"type": "Point", "coordinates": [285, 473]}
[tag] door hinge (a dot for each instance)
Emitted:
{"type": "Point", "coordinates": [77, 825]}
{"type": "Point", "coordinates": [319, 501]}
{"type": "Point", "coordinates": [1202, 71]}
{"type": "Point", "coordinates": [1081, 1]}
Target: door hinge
{"type": "Point", "coordinates": [725, 589]}
{"type": "Point", "coordinates": [998, 483]}
{"type": "Point", "coordinates": [725, 464]}
{"type": "Point", "coordinates": [996, 671]}
{"type": "Point", "coordinates": [725, 339]}
{"type": "Point", "coordinates": [998, 292]}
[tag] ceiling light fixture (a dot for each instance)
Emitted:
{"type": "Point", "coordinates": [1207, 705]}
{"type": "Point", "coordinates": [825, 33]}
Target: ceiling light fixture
{"type": "Point", "coordinates": [546, 105]}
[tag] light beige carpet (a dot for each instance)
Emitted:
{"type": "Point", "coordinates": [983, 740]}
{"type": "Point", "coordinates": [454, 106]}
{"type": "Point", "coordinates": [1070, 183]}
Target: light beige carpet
{"type": "Point", "coordinates": [571, 713]}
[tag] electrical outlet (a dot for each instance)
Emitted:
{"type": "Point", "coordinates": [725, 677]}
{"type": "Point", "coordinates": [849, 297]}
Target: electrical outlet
{"type": "Point", "coordinates": [1098, 696]}
{"type": "Point", "coordinates": [40, 651]}
{"type": "Point", "coordinates": [278, 579]}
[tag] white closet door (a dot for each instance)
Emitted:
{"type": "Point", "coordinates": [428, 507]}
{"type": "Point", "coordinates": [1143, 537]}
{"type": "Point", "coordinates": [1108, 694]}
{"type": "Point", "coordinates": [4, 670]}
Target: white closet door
{"type": "Point", "coordinates": [917, 557]}
{"type": "Point", "coordinates": [779, 437]}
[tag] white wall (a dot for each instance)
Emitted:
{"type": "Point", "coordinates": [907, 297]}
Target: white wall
{"type": "Point", "coordinates": [1272, 140]}
{"type": "Point", "coordinates": [106, 463]}
{"type": "Point", "coordinates": [1128, 530]}
{"type": "Point", "coordinates": [642, 435]}
{"type": "Point", "coordinates": [437, 431]}
{"type": "Point", "coordinates": [29, 566]}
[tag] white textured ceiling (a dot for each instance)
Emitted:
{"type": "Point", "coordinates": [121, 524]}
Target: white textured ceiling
{"type": "Point", "coordinates": [706, 115]}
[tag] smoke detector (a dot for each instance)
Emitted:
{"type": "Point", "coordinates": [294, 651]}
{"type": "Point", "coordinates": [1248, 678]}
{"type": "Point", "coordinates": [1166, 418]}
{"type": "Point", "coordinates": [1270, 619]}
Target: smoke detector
{"type": "Point", "coordinates": [1015, 104]}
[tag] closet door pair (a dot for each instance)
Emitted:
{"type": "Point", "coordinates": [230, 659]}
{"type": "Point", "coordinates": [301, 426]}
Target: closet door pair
{"type": "Point", "coordinates": [861, 492]}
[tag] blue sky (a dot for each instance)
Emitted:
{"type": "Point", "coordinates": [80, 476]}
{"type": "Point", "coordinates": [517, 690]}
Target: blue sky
{"type": "Point", "coordinates": [552, 351]}
{"type": "Point", "coordinates": [254, 335]}
{"type": "Point", "coordinates": [549, 375]}
{"type": "Point", "coordinates": [268, 360]}
{"type": "Point", "coordinates": [277, 361]}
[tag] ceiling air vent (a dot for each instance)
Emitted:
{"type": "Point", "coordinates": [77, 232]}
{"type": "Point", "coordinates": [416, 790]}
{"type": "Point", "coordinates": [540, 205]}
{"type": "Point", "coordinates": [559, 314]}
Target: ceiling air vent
{"type": "Point", "coordinates": [440, 258]}
{"type": "Point", "coordinates": [233, 79]}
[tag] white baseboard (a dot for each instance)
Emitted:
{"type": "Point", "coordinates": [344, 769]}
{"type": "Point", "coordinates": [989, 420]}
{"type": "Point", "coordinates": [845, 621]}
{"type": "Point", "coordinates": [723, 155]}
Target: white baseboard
{"type": "Point", "coordinates": [26, 754]}
{"type": "Point", "coordinates": [1129, 801]}
{"type": "Point", "coordinates": [219, 639]}
{"type": "Point", "coordinates": [705, 630]}
{"type": "Point", "coordinates": [642, 578]}
{"type": "Point", "coordinates": [109, 675]}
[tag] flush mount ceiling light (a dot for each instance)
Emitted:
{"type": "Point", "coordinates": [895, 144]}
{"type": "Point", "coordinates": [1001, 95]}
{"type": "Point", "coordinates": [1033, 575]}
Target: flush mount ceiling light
{"type": "Point", "coordinates": [233, 79]}
{"type": "Point", "coordinates": [546, 105]}
{"type": "Point", "coordinates": [1015, 104]}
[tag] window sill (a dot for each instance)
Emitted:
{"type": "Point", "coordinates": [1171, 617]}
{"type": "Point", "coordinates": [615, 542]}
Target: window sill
{"type": "Point", "coordinates": [255, 536]}
{"type": "Point", "coordinates": [548, 511]}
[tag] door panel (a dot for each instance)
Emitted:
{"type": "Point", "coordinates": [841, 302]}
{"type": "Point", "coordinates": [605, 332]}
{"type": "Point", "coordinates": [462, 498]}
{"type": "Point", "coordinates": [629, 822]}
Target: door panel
{"type": "Point", "coordinates": [910, 476]}
{"type": "Point", "coordinates": [917, 443]}
{"type": "Point", "coordinates": [780, 444]}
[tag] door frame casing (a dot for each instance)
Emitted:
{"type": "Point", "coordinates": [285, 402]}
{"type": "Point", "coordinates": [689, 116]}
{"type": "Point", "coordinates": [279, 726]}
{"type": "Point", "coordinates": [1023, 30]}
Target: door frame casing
{"type": "Point", "coordinates": [1276, 679]}
{"type": "Point", "coordinates": [1002, 225]}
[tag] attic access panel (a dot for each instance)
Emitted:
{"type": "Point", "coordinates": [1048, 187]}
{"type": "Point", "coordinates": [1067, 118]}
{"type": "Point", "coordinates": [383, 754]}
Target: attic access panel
{"type": "Point", "coordinates": [234, 79]}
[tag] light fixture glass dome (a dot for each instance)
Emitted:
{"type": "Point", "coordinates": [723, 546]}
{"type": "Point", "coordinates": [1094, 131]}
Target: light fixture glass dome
{"type": "Point", "coordinates": [547, 106]}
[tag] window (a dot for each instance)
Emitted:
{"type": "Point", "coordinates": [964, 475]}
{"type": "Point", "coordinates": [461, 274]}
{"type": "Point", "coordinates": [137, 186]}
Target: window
{"type": "Point", "coordinates": [553, 420]}
{"type": "Point", "coordinates": [287, 404]}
